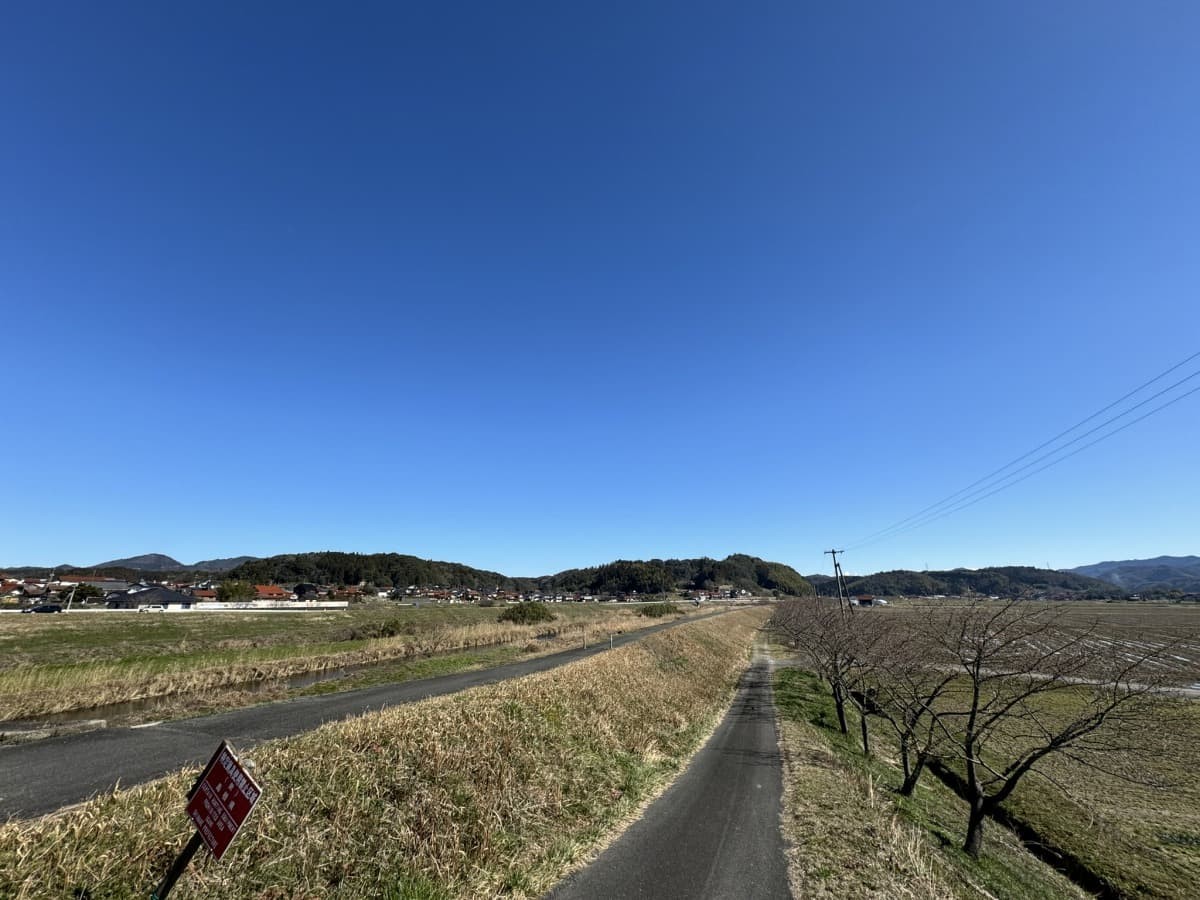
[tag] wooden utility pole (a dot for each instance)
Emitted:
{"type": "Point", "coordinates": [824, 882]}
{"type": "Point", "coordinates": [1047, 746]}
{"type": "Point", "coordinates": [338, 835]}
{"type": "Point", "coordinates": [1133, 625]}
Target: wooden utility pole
{"type": "Point", "coordinates": [843, 599]}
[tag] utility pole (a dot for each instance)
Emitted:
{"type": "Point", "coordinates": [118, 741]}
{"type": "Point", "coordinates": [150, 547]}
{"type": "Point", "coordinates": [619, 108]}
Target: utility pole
{"type": "Point", "coordinates": [843, 600]}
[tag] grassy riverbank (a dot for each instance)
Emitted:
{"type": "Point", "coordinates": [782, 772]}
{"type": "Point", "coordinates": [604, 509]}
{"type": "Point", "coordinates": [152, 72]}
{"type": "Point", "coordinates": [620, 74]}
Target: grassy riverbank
{"type": "Point", "coordinates": [852, 837]}
{"type": "Point", "coordinates": [81, 661]}
{"type": "Point", "coordinates": [495, 791]}
{"type": "Point", "coordinates": [1139, 839]}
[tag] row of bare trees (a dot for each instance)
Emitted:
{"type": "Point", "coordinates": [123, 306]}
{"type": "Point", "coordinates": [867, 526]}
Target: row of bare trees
{"type": "Point", "coordinates": [990, 689]}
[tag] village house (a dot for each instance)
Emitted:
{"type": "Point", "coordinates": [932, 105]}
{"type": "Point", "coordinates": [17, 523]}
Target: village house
{"type": "Point", "coordinates": [272, 592]}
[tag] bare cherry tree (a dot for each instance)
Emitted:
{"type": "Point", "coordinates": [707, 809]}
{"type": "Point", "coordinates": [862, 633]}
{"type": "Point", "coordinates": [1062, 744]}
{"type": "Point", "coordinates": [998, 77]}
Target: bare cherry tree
{"type": "Point", "coordinates": [840, 645]}
{"type": "Point", "coordinates": [906, 693]}
{"type": "Point", "coordinates": [1028, 684]}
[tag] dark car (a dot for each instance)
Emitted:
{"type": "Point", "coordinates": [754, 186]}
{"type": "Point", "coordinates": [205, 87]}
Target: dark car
{"type": "Point", "coordinates": [44, 608]}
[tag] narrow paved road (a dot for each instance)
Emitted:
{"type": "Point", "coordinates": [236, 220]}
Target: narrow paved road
{"type": "Point", "coordinates": [715, 833]}
{"type": "Point", "coordinates": [43, 776]}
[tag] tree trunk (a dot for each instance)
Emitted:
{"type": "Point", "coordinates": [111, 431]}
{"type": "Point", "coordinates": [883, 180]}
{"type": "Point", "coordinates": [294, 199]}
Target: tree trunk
{"type": "Point", "coordinates": [912, 776]}
{"type": "Point", "coordinates": [840, 703]}
{"type": "Point", "coordinates": [974, 842]}
{"type": "Point", "coordinates": [866, 734]}
{"type": "Point", "coordinates": [904, 760]}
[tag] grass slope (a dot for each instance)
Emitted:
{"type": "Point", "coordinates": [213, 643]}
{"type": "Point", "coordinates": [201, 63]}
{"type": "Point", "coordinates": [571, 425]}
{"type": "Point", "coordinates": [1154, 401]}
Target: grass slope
{"type": "Point", "coordinates": [853, 838]}
{"type": "Point", "coordinates": [57, 663]}
{"type": "Point", "coordinates": [492, 792]}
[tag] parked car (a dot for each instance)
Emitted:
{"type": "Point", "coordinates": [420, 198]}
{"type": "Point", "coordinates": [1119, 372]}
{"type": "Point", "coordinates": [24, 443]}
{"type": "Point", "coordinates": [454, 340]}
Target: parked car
{"type": "Point", "coordinates": [44, 608]}
{"type": "Point", "coordinates": [152, 607]}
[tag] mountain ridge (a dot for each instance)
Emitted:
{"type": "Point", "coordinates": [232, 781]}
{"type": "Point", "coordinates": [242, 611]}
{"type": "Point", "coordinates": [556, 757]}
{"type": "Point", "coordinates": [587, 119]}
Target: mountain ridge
{"type": "Point", "coordinates": [160, 562]}
{"type": "Point", "coordinates": [1159, 573]}
{"type": "Point", "coordinates": [1001, 581]}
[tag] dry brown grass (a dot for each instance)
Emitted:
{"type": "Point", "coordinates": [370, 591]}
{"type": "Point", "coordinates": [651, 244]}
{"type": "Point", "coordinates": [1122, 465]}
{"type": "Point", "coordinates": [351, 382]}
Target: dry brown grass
{"type": "Point", "coordinates": [31, 691]}
{"type": "Point", "coordinates": [491, 792]}
{"type": "Point", "coordinates": [846, 840]}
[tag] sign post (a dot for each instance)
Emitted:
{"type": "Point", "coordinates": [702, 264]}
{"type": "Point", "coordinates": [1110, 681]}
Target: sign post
{"type": "Point", "coordinates": [218, 803]}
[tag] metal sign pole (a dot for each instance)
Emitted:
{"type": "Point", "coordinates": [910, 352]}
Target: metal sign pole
{"type": "Point", "coordinates": [217, 804]}
{"type": "Point", "coordinates": [177, 867]}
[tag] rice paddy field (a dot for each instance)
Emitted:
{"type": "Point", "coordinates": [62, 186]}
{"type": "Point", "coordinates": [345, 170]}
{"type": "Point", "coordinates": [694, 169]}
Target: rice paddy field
{"type": "Point", "coordinates": [1123, 629]}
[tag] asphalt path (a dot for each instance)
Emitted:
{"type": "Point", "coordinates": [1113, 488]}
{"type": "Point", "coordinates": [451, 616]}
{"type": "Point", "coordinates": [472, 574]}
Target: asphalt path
{"type": "Point", "coordinates": [715, 833]}
{"type": "Point", "coordinates": [44, 776]}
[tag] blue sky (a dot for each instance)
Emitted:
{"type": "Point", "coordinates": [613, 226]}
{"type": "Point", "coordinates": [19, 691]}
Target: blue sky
{"type": "Point", "coordinates": [542, 285]}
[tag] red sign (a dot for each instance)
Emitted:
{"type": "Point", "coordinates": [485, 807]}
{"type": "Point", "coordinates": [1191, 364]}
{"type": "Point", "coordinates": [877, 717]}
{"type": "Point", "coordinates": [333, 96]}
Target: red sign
{"type": "Point", "coordinates": [222, 800]}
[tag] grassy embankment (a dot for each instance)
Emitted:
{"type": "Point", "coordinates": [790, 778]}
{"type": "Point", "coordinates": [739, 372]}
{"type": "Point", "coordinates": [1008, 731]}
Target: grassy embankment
{"type": "Point", "coordinates": [852, 837]}
{"type": "Point", "coordinates": [1141, 837]}
{"type": "Point", "coordinates": [81, 661]}
{"type": "Point", "coordinates": [1139, 840]}
{"type": "Point", "coordinates": [492, 792]}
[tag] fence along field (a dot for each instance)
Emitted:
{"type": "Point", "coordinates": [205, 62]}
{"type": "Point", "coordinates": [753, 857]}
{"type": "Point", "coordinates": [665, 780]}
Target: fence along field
{"type": "Point", "coordinates": [494, 791]}
{"type": "Point", "coordinates": [1059, 715]}
{"type": "Point", "coordinates": [53, 664]}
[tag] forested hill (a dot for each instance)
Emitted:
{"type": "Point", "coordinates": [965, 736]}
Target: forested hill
{"type": "Point", "coordinates": [384, 570]}
{"type": "Point", "coordinates": [1001, 581]}
{"type": "Point", "coordinates": [623, 576]}
{"type": "Point", "coordinates": [738, 571]}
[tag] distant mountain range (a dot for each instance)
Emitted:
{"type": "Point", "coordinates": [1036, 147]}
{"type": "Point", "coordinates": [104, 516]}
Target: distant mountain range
{"type": "Point", "coordinates": [1158, 575]}
{"type": "Point", "coordinates": [1163, 573]}
{"type": "Point", "coordinates": [1001, 581]}
{"type": "Point", "coordinates": [160, 562]}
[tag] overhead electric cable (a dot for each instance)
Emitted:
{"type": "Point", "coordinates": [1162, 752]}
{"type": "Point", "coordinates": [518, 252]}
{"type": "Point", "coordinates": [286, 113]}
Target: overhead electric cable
{"type": "Point", "coordinates": [983, 483]}
{"type": "Point", "coordinates": [1053, 462]}
{"type": "Point", "coordinates": [1044, 456]}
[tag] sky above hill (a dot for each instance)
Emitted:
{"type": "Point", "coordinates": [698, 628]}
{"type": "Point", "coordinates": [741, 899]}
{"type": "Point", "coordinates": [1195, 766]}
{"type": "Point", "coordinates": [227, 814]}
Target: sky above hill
{"type": "Point", "coordinates": [541, 285]}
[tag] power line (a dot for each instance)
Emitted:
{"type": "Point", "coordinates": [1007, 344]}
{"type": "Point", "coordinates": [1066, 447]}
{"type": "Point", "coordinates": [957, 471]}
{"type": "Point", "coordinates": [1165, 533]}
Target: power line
{"type": "Point", "coordinates": [1053, 462]}
{"type": "Point", "coordinates": [958, 494]}
{"type": "Point", "coordinates": [896, 529]}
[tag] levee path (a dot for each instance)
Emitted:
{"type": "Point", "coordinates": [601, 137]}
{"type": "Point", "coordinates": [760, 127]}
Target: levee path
{"type": "Point", "coordinates": [715, 833]}
{"type": "Point", "coordinates": [44, 776]}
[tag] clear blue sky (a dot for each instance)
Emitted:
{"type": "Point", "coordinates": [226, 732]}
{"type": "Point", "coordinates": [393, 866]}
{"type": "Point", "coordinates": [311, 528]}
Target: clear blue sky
{"type": "Point", "coordinates": [543, 285]}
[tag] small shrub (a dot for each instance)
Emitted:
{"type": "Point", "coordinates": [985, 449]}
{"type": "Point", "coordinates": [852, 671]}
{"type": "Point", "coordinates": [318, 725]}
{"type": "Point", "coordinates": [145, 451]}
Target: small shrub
{"type": "Point", "coordinates": [658, 610]}
{"type": "Point", "coordinates": [526, 614]}
{"type": "Point", "coordinates": [389, 628]}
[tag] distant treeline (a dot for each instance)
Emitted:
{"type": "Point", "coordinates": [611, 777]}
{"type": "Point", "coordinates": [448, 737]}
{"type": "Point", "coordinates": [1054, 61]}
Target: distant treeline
{"type": "Point", "coordinates": [739, 571]}
{"type": "Point", "coordinates": [655, 576]}
{"type": "Point", "coordinates": [1001, 581]}
{"type": "Point", "coordinates": [384, 570]}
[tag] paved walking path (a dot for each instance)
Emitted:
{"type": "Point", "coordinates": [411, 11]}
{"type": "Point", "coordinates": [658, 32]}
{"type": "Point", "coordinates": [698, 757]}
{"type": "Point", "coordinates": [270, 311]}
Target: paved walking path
{"type": "Point", "coordinates": [715, 833]}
